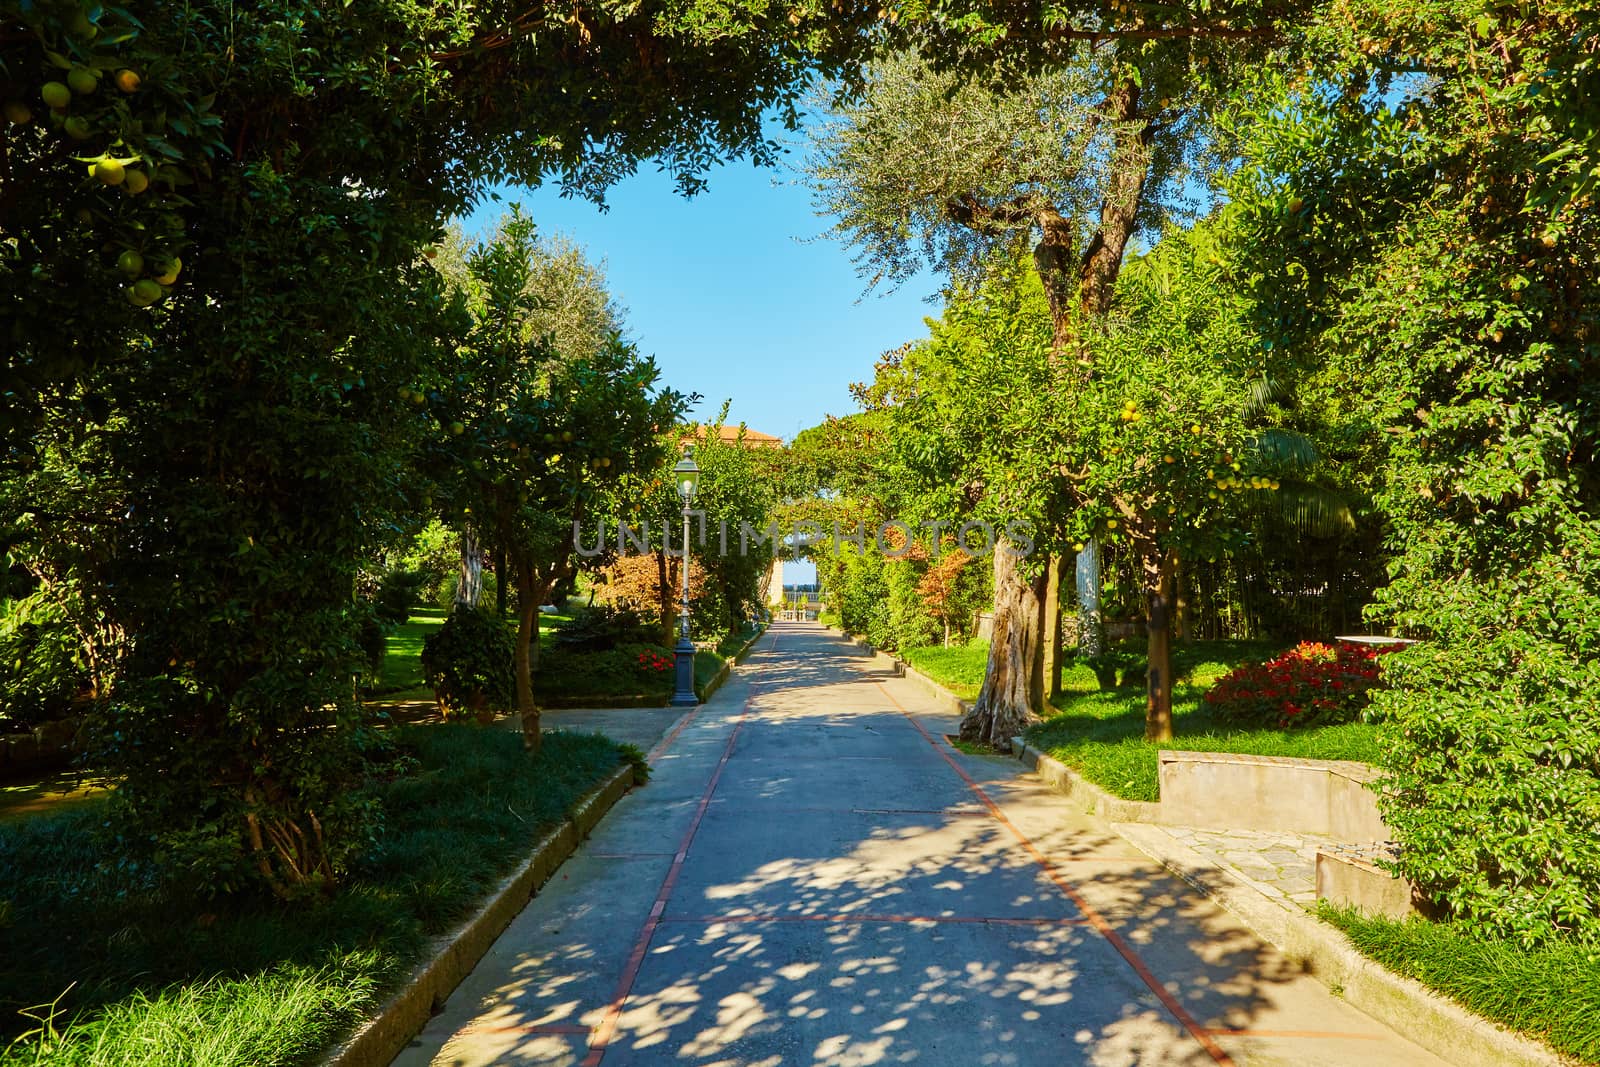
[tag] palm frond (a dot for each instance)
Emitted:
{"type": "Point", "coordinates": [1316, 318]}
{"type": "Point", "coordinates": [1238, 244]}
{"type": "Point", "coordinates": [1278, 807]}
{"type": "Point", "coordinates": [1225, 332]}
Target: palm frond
{"type": "Point", "coordinates": [1313, 509]}
{"type": "Point", "coordinates": [1285, 448]}
{"type": "Point", "coordinates": [1265, 391]}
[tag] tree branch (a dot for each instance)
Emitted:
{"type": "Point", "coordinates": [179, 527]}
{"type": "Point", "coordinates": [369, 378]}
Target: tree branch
{"type": "Point", "coordinates": [966, 209]}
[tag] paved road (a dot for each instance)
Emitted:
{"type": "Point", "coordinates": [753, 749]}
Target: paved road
{"type": "Point", "coordinates": [815, 877]}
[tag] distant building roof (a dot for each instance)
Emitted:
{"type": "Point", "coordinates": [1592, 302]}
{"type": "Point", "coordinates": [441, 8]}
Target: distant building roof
{"type": "Point", "coordinates": [751, 438]}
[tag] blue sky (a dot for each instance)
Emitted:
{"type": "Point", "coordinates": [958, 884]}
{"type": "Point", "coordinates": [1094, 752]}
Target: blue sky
{"type": "Point", "coordinates": [728, 294]}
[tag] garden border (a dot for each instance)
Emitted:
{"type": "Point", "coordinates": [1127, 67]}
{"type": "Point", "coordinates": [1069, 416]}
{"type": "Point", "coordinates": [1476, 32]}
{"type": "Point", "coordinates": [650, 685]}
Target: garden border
{"type": "Point", "coordinates": [1071, 784]}
{"type": "Point", "coordinates": [378, 1040]}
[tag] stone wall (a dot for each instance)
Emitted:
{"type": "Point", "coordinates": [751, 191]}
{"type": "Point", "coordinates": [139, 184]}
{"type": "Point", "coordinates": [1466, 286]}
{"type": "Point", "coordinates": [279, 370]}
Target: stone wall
{"type": "Point", "coordinates": [1226, 790]}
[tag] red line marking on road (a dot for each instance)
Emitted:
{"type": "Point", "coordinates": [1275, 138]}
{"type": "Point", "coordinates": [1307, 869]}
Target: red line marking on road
{"type": "Point", "coordinates": [689, 716]}
{"type": "Point", "coordinates": [534, 1028]}
{"type": "Point", "coordinates": [1198, 1032]}
{"type": "Point", "coordinates": [1314, 1034]}
{"type": "Point", "coordinates": [859, 917]}
{"type": "Point", "coordinates": [607, 1027]}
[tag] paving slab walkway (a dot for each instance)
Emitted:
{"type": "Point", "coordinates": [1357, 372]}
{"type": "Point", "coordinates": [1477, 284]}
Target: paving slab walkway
{"type": "Point", "coordinates": [816, 877]}
{"type": "Point", "coordinates": [1281, 865]}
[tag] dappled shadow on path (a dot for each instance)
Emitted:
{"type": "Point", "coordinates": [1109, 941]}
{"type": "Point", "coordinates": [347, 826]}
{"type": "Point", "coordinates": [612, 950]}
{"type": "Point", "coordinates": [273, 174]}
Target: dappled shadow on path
{"type": "Point", "coordinates": [841, 894]}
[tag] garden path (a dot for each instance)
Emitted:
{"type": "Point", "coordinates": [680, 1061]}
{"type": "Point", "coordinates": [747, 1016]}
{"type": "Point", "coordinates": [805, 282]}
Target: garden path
{"type": "Point", "coordinates": [815, 876]}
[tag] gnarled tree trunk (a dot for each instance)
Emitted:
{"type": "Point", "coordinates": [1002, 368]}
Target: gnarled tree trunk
{"type": "Point", "coordinates": [1013, 684]}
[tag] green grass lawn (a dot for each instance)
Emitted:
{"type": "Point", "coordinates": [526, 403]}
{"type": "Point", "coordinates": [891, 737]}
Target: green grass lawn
{"type": "Point", "coordinates": [144, 976]}
{"type": "Point", "coordinates": [1100, 733]}
{"type": "Point", "coordinates": [959, 668]}
{"type": "Point", "coordinates": [400, 675]}
{"type": "Point", "coordinates": [1551, 993]}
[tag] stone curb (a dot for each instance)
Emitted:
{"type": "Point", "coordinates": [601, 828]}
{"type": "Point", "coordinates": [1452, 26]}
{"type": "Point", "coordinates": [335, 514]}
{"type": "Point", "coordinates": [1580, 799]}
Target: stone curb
{"type": "Point", "coordinates": [728, 664]}
{"type": "Point", "coordinates": [1070, 783]}
{"type": "Point", "coordinates": [744, 653]}
{"type": "Point", "coordinates": [1436, 1023]}
{"type": "Point", "coordinates": [951, 702]}
{"type": "Point", "coordinates": [380, 1039]}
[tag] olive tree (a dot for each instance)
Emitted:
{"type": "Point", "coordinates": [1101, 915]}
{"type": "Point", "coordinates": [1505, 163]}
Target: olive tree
{"type": "Point", "coordinates": [931, 168]}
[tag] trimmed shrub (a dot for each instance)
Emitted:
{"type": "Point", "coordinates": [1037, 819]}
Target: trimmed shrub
{"type": "Point", "coordinates": [469, 663]}
{"type": "Point", "coordinates": [398, 592]}
{"type": "Point", "coordinates": [1492, 742]}
{"type": "Point", "coordinates": [601, 628]}
{"type": "Point", "coordinates": [1309, 685]}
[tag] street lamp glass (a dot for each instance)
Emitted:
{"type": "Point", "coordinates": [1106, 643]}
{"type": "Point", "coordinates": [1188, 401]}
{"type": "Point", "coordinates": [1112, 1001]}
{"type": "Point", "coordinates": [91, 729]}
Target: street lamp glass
{"type": "Point", "coordinates": [687, 473]}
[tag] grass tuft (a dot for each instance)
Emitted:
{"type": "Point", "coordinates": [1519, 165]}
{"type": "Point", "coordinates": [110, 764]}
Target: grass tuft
{"type": "Point", "coordinates": [1551, 993]}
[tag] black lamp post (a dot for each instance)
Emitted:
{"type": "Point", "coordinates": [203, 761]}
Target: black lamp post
{"type": "Point", "coordinates": [687, 476]}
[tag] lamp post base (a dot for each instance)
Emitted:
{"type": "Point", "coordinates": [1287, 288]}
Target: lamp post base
{"type": "Point", "coordinates": [683, 695]}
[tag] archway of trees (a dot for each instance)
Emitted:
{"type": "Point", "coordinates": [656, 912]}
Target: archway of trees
{"type": "Point", "coordinates": [1216, 272]}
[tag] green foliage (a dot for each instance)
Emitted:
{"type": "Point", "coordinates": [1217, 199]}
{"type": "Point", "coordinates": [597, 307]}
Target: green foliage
{"type": "Point", "coordinates": [734, 489]}
{"type": "Point", "coordinates": [1551, 993]}
{"type": "Point", "coordinates": [248, 430]}
{"type": "Point", "coordinates": [858, 592]}
{"type": "Point", "coordinates": [467, 662]}
{"type": "Point", "coordinates": [991, 163]}
{"type": "Point", "coordinates": [1421, 250]}
{"type": "Point", "coordinates": [1493, 750]}
{"type": "Point", "coordinates": [910, 622]}
{"type": "Point", "coordinates": [41, 669]}
{"type": "Point", "coordinates": [435, 553]}
{"type": "Point", "coordinates": [147, 973]}
{"type": "Point", "coordinates": [398, 592]}
{"type": "Point", "coordinates": [600, 628]}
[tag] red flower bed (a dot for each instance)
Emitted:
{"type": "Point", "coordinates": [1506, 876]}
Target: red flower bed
{"type": "Point", "coordinates": [1310, 685]}
{"type": "Point", "coordinates": [654, 663]}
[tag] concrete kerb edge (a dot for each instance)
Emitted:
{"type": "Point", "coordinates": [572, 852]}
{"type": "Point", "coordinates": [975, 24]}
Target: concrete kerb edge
{"type": "Point", "coordinates": [381, 1038]}
{"type": "Point", "coordinates": [1070, 783]}
{"type": "Point", "coordinates": [1437, 1024]}
{"type": "Point", "coordinates": [738, 657]}
{"type": "Point", "coordinates": [744, 653]}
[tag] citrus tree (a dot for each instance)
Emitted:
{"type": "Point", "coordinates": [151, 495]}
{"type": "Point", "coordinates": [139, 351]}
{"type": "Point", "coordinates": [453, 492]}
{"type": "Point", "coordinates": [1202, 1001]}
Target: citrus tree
{"type": "Point", "coordinates": [1072, 161]}
{"type": "Point", "coordinates": [532, 442]}
{"type": "Point", "coordinates": [1167, 458]}
{"type": "Point", "coordinates": [214, 295]}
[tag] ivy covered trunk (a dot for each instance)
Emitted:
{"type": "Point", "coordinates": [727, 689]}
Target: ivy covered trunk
{"type": "Point", "coordinates": [1091, 626]}
{"type": "Point", "coordinates": [469, 582]}
{"type": "Point", "coordinates": [1159, 569]}
{"type": "Point", "coordinates": [1013, 683]}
